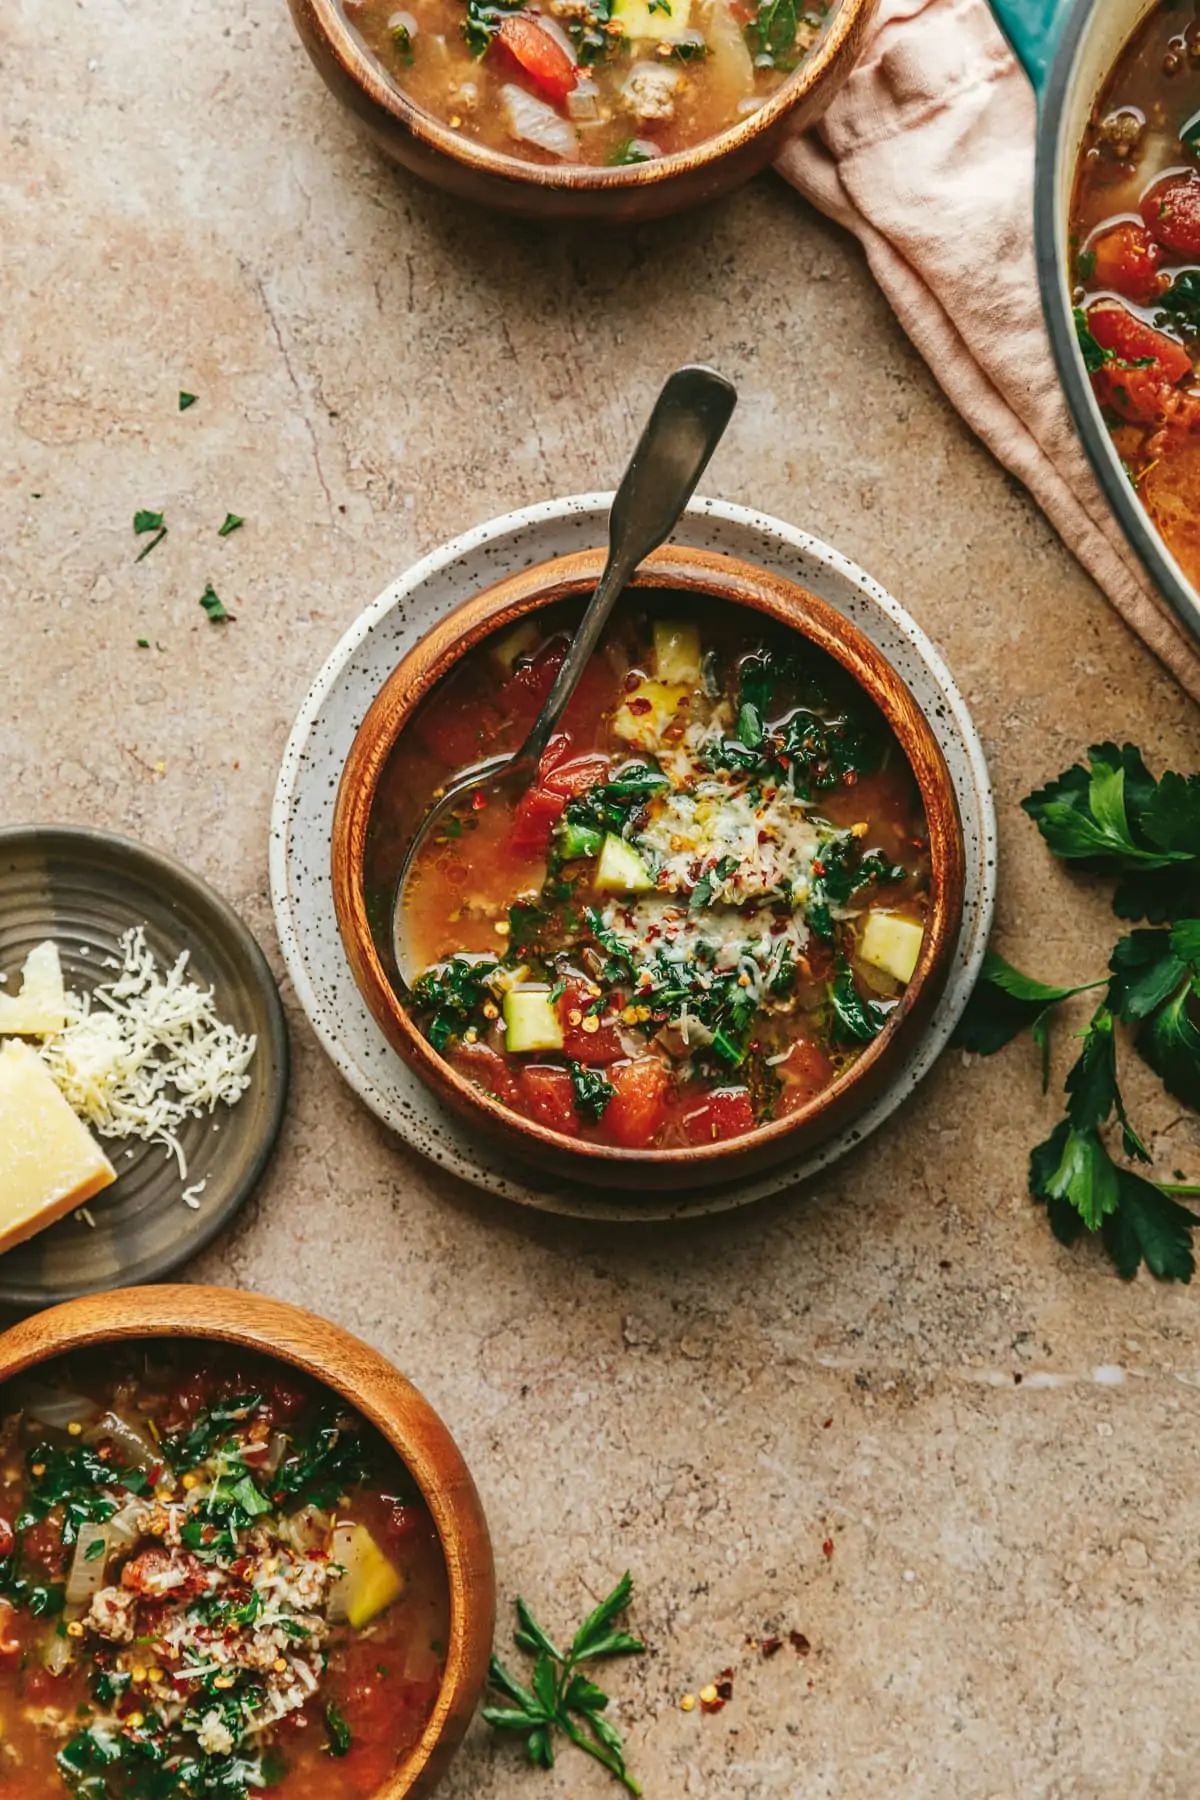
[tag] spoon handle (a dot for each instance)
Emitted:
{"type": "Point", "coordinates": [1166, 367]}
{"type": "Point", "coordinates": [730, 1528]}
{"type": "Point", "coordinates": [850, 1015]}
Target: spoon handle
{"type": "Point", "coordinates": [682, 432]}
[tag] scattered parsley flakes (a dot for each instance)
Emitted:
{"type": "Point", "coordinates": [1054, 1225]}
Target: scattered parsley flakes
{"type": "Point", "coordinates": [232, 522]}
{"type": "Point", "coordinates": [340, 1738]}
{"type": "Point", "coordinates": [143, 643]}
{"type": "Point", "coordinates": [215, 607]}
{"type": "Point", "coordinates": [186, 400]}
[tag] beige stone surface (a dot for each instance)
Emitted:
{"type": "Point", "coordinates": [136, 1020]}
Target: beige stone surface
{"type": "Point", "coordinates": [1010, 1606]}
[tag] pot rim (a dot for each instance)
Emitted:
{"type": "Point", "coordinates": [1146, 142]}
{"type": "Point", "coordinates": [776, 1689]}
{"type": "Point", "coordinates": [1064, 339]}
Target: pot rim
{"type": "Point", "coordinates": [360, 68]}
{"type": "Point", "coordinates": [329, 1355]}
{"type": "Point", "coordinates": [736, 582]}
{"type": "Point", "coordinates": [1055, 149]}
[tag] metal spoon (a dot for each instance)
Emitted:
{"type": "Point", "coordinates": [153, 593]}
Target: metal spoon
{"type": "Point", "coordinates": [685, 427]}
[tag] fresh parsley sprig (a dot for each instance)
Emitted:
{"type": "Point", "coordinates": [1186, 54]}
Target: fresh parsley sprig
{"type": "Point", "coordinates": [1114, 818]}
{"type": "Point", "coordinates": [559, 1697]}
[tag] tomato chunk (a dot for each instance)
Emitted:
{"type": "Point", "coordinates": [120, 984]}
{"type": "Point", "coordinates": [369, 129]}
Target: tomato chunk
{"type": "Point", "coordinates": [603, 1045]}
{"type": "Point", "coordinates": [1127, 259]}
{"type": "Point", "coordinates": [726, 1113]}
{"type": "Point", "coordinates": [569, 775]}
{"type": "Point", "coordinates": [1146, 363]}
{"type": "Point", "coordinates": [478, 1062]}
{"type": "Point", "coordinates": [637, 1111]}
{"type": "Point", "coordinates": [1172, 213]}
{"type": "Point", "coordinates": [549, 1098]}
{"type": "Point", "coordinates": [539, 54]}
{"type": "Point", "coordinates": [538, 811]}
{"type": "Point", "coordinates": [806, 1073]}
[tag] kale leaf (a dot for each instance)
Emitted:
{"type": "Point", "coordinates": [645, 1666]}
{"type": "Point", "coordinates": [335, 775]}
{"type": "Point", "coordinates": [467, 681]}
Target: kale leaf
{"type": "Point", "coordinates": [451, 994]}
{"type": "Point", "coordinates": [592, 1090]}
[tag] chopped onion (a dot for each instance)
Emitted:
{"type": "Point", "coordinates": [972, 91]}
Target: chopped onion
{"type": "Point", "coordinates": [306, 1529]}
{"type": "Point", "coordinates": [50, 1406]}
{"type": "Point", "coordinates": [583, 102]}
{"type": "Point", "coordinates": [138, 1449]}
{"type": "Point", "coordinates": [87, 1570]}
{"type": "Point", "coordinates": [57, 1652]}
{"type": "Point", "coordinates": [127, 1526]}
{"type": "Point", "coordinates": [534, 122]}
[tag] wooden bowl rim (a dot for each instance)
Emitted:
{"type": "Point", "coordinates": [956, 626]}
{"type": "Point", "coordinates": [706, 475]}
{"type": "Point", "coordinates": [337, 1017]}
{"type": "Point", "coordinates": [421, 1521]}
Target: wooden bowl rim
{"type": "Point", "coordinates": [495, 608]}
{"type": "Point", "coordinates": [358, 66]}
{"type": "Point", "coordinates": [330, 1355]}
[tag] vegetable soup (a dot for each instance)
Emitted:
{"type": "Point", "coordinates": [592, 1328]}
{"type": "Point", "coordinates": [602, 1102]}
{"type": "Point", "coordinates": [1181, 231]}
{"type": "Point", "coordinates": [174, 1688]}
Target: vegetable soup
{"type": "Point", "coordinates": [588, 81]}
{"type": "Point", "coordinates": [702, 912]}
{"type": "Point", "coordinates": [1136, 248]}
{"type": "Point", "coordinates": [215, 1578]}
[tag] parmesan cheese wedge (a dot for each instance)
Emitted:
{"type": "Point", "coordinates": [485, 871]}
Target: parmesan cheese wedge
{"type": "Point", "coordinates": [41, 1005]}
{"type": "Point", "coordinates": [49, 1162]}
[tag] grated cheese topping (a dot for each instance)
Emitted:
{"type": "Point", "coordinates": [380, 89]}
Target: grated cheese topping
{"type": "Point", "coordinates": [146, 1051]}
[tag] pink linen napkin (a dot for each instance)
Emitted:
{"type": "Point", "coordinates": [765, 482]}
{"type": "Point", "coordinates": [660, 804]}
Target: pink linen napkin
{"type": "Point", "coordinates": [926, 154]}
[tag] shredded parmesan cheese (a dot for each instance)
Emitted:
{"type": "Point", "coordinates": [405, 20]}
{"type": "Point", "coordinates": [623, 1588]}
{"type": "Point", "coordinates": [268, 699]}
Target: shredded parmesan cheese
{"type": "Point", "coordinates": [146, 1051]}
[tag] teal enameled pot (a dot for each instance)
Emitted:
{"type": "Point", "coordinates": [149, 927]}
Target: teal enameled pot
{"type": "Point", "coordinates": [1069, 48]}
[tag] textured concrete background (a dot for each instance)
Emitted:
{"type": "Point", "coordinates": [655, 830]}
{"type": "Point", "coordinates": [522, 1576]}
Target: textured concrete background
{"type": "Point", "coordinates": [1010, 1605]}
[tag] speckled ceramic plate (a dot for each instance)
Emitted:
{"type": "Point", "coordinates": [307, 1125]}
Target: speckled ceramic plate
{"type": "Point", "coordinates": [84, 889]}
{"type": "Point", "coordinates": [334, 710]}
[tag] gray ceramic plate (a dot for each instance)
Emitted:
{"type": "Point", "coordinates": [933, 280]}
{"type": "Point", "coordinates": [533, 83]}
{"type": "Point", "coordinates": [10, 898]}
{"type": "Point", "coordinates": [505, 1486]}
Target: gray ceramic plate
{"type": "Point", "coordinates": [316, 753]}
{"type": "Point", "coordinates": [84, 889]}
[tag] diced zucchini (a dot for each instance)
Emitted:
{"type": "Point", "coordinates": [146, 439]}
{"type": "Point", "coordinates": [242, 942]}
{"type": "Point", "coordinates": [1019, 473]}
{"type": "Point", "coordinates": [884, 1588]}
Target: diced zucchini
{"type": "Point", "coordinates": [369, 1583]}
{"type": "Point", "coordinates": [530, 1021]}
{"type": "Point", "coordinates": [579, 840]}
{"type": "Point", "coordinates": [677, 651]}
{"type": "Point", "coordinates": [662, 21]}
{"type": "Point", "coordinates": [892, 943]}
{"type": "Point", "coordinates": [621, 870]}
{"type": "Point", "coordinates": [645, 713]}
{"type": "Point", "coordinates": [522, 640]}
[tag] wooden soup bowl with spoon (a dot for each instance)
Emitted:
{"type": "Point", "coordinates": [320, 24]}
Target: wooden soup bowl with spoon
{"type": "Point", "coordinates": [369, 948]}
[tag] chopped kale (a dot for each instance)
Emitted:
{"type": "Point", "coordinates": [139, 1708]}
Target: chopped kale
{"type": "Point", "coordinates": [612, 805]}
{"type": "Point", "coordinates": [592, 1090]}
{"type": "Point", "coordinates": [451, 995]}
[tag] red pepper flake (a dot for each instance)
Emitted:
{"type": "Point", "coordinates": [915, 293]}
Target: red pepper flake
{"type": "Point", "coordinates": [632, 682]}
{"type": "Point", "coordinates": [827, 1424]}
{"type": "Point", "coordinates": [850, 777]}
{"type": "Point", "coordinates": [478, 800]}
{"type": "Point", "coordinates": [799, 1643]}
{"type": "Point", "coordinates": [771, 1646]}
{"type": "Point", "coordinates": [725, 1685]}
{"type": "Point", "coordinates": [639, 705]}
{"type": "Point", "coordinates": [827, 1547]}
{"type": "Point", "coordinates": [818, 867]}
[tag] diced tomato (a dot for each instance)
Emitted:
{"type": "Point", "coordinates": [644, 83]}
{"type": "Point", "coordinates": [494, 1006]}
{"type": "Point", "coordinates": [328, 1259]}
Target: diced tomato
{"type": "Point", "coordinates": [569, 775]}
{"type": "Point", "coordinates": [459, 724]}
{"type": "Point", "coordinates": [725, 1113]}
{"type": "Point", "coordinates": [545, 61]}
{"type": "Point", "coordinates": [638, 1109]}
{"type": "Point", "coordinates": [1172, 212]}
{"type": "Point", "coordinates": [807, 1071]}
{"type": "Point", "coordinates": [549, 1098]}
{"type": "Point", "coordinates": [1127, 259]}
{"type": "Point", "coordinates": [478, 1062]}
{"type": "Point", "coordinates": [538, 811]}
{"type": "Point", "coordinates": [600, 1046]}
{"type": "Point", "coordinates": [1146, 363]}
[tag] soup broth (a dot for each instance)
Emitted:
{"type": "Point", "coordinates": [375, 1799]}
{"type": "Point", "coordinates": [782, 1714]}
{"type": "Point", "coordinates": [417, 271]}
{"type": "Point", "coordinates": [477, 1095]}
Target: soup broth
{"type": "Point", "coordinates": [1136, 249]}
{"type": "Point", "coordinates": [607, 82]}
{"type": "Point", "coordinates": [215, 1578]}
{"type": "Point", "coordinates": [703, 911]}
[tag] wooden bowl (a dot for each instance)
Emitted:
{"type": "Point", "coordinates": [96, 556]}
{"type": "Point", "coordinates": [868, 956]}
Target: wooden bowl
{"type": "Point", "coordinates": [647, 190]}
{"type": "Point", "coordinates": [739, 583]}
{"type": "Point", "coordinates": [368, 1382]}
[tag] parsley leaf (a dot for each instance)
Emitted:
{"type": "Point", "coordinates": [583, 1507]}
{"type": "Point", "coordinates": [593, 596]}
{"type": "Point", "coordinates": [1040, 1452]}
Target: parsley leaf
{"type": "Point", "coordinates": [559, 1697]}
{"type": "Point", "coordinates": [628, 151]}
{"type": "Point", "coordinates": [186, 400]}
{"type": "Point", "coordinates": [232, 522]}
{"type": "Point", "coordinates": [144, 521]}
{"type": "Point", "coordinates": [214, 606]}
{"type": "Point", "coordinates": [1006, 1002]}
